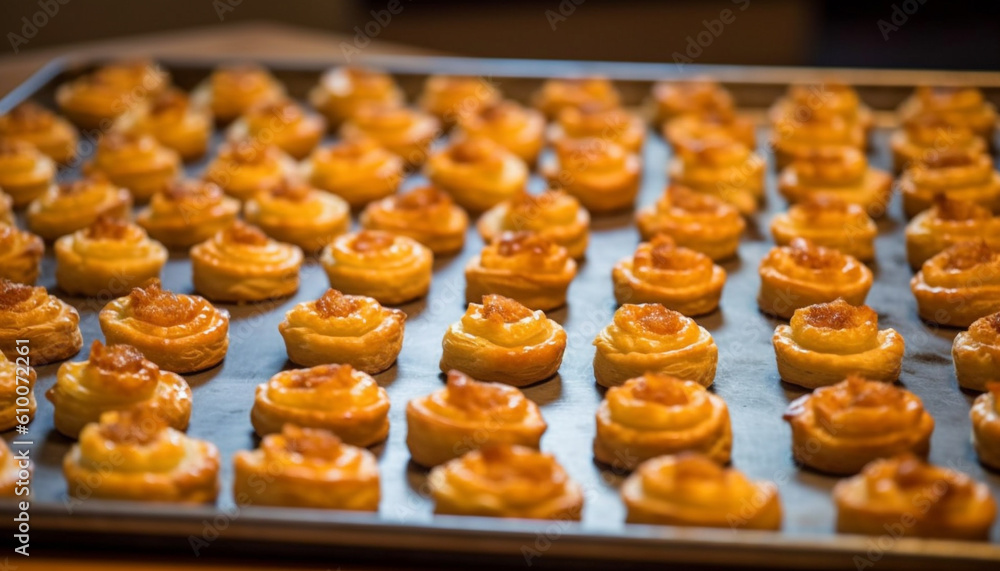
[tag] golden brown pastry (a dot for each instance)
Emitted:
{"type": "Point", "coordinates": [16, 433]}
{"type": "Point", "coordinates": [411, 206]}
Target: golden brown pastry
{"type": "Point", "coordinates": [342, 90]}
{"type": "Point", "coordinates": [518, 129]}
{"type": "Point", "coordinates": [812, 133]}
{"type": "Point", "coordinates": [180, 333]}
{"type": "Point", "coordinates": [827, 101]}
{"type": "Point", "coordinates": [985, 415]}
{"type": "Point", "coordinates": [425, 214]}
{"type": "Point", "coordinates": [135, 455]}
{"type": "Point", "coordinates": [650, 338]}
{"type": "Point", "coordinates": [502, 341]}
{"type": "Point", "coordinates": [17, 389]}
{"type": "Point", "coordinates": [691, 489]}
{"type": "Point", "coordinates": [957, 175]}
{"type": "Point", "coordinates": [976, 353]}
{"type": "Point", "coordinates": [613, 124]}
{"type": "Point", "coordinates": [962, 106]}
{"type": "Point", "coordinates": [802, 274]}
{"type": "Point", "coordinates": [244, 169]}
{"type": "Point", "coordinates": [25, 173]}
{"type": "Point", "coordinates": [10, 471]}
{"type": "Point", "coordinates": [72, 206]}
{"type": "Point", "coordinates": [188, 212]}
{"type": "Point", "coordinates": [947, 223]}
{"type": "Point", "coordinates": [697, 97]}
{"type": "Point", "coordinates": [6, 210]}
{"type": "Point", "coordinates": [828, 221]}
{"type": "Point", "coordinates": [241, 264]}
{"type": "Point", "coordinates": [722, 167]}
{"type": "Point", "coordinates": [296, 213]}
{"type": "Point", "coordinates": [523, 266]}
{"type": "Point", "coordinates": [50, 325]}
{"type": "Point", "coordinates": [20, 255]}
{"type": "Point", "coordinates": [107, 259]}
{"type": "Point", "coordinates": [349, 329]}
{"type": "Point", "coordinates": [477, 173]}
{"type": "Point", "coordinates": [552, 214]}
{"type": "Point", "coordinates": [359, 171]}
{"type": "Point", "coordinates": [468, 415]}
{"type": "Point", "coordinates": [694, 220]}
{"type": "Point", "coordinates": [676, 277]}
{"type": "Point", "coordinates": [828, 341]}
{"type": "Point", "coordinates": [403, 131]}
{"type": "Point", "coordinates": [174, 121]}
{"type": "Point", "coordinates": [306, 468]}
{"type": "Point", "coordinates": [839, 172]}
{"type": "Point", "coordinates": [925, 137]}
{"type": "Point", "coordinates": [561, 93]}
{"type": "Point", "coordinates": [116, 377]}
{"type": "Point", "coordinates": [34, 124]}
{"type": "Point", "coordinates": [450, 98]}
{"type": "Point", "coordinates": [959, 285]}
{"type": "Point", "coordinates": [602, 175]}
{"type": "Point", "coordinates": [840, 428]}
{"type": "Point", "coordinates": [726, 125]}
{"type": "Point", "coordinates": [390, 268]}
{"type": "Point", "coordinates": [338, 398]}
{"type": "Point", "coordinates": [655, 414]}
{"type": "Point", "coordinates": [232, 90]}
{"type": "Point", "coordinates": [95, 100]}
{"type": "Point", "coordinates": [283, 123]}
{"type": "Point", "coordinates": [932, 501]}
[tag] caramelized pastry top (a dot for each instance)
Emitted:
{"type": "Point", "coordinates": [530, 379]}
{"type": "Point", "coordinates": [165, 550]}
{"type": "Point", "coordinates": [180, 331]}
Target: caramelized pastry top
{"type": "Point", "coordinates": [591, 156]}
{"type": "Point", "coordinates": [376, 249]}
{"type": "Point", "coordinates": [466, 401]}
{"type": "Point", "coordinates": [505, 322]}
{"type": "Point", "coordinates": [425, 208]}
{"type": "Point", "coordinates": [524, 251]}
{"type": "Point", "coordinates": [660, 261]}
{"type": "Point", "coordinates": [859, 408]}
{"type": "Point", "coordinates": [695, 97]}
{"type": "Point", "coordinates": [952, 168]}
{"type": "Point", "coordinates": [338, 315]}
{"type": "Point", "coordinates": [830, 166]}
{"type": "Point", "coordinates": [695, 481]}
{"type": "Point", "coordinates": [313, 453]}
{"type": "Point", "coordinates": [331, 389]}
{"type": "Point", "coordinates": [504, 120]}
{"type": "Point", "coordinates": [835, 327]}
{"type": "Point", "coordinates": [243, 244]}
{"type": "Point", "coordinates": [360, 84]}
{"type": "Point", "coordinates": [659, 402]}
{"type": "Point", "coordinates": [648, 328]}
{"type": "Point", "coordinates": [18, 242]}
{"type": "Point", "coordinates": [802, 260]}
{"type": "Point", "coordinates": [557, 94]}
{"type": "Point", "coordinates": [963, 265]}
{"type": "Point", "coordinates": [24, 305]}
{"type": "Point", "coordinates": [22, 159]}
{"type": "Point", "coordinates": [453, 97]}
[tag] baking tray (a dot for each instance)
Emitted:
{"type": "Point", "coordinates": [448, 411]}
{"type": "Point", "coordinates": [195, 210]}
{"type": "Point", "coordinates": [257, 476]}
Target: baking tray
{"type": "Point", "coordinates": [405, 527]}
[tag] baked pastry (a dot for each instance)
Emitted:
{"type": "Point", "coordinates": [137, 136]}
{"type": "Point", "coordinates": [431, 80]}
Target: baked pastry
{"type": "Point", "coordinates": [403, 131]}
{"type": "Point", "coordinates": [477, 173]}
{"type": "Point", "coordinates": [71, 206]}
{"type": "Point", "coordinates": [960, 106]}
{"type": "Point", "coordinates": [6, 210]}
{"type": "Point", "coordinates": [727, 125]}
{"type": "Point", "coordinates": [650, 338]}
{"type": "Point", "coordinates": [698, 221]}
{"type": "Point", "coordinates": [655, 414]}
{"type": "Point", "coordinates": [180, 333]}
{"type": "Point", "coordinates": [50, 325]}
{"type": "Point", "coordinates": [283, 123]}
{"type": "Point", "coordinates": [452, 97]}
{"type": "Point", "coordinates": [502, 341]}
{"type": "Point", "coordinates": [34, 124]}
{"type": "Point", "coordinates": [10, 471]}
{"type": "Point", "coordinates": [699, 96]}
{"type": "Point", "coordinates": [95, 100]}
{"type": "Point", "coordinates": [518, 129]}
{"type": "Point", "coordinates": [25, 173]}
{"type": "Point", "coordinates": [612, 124]}
{"type": "Point", "coordinates": [828, 341]}
{"type": "Point", "coordinates": [946, 223]}
{"type": "Point", "coordinates": [828, 221]}
{"type": "Point", "coordinates": [307, 468]}
{"type": "Point", "coordinates": [243, 169]}
{"type": "Point", "coordinates": [393, 269]}
{"type": "Point", "coordinates": [985, 415]}
{"type": "Point", "coordinates": [425, 214]}
{"type": "Point", "coordinates": [358, 171]}
{"type": "Point", "coordinates": [188, 212]}
{"type": "Point", "coordinates": [468, 415]}
{"type": "Point", "coordinates": [840, 172]}
{"type": "Point", "coordinates": [174, 121]}
{"type": "Point", "coordinates": [932, 501]}
{"type": "Point", "coordinates": [826, 101]}
{"type": "Point", "coordinates": [108, 258]}
{"type": "Point", "coordinates": [976, 353]}
{"type": "Point", "coordinates": [722, 167]}
{"type": "Point", "coordinates": [552, 214]}
{"type": "Point", "coordinates": [676, 277]}
{"type": "Point", "coordinates": [338, 398]}
{"type": "Point", "coordinates": [602, 175]}
{"type": "Point", "coordinates": [17, 389]}
{"type": "Point", "coordinates": [232, 90]}
{"type": "Point", "coordinates": [342, 90]}
{"type": "Point", "coordinates": [957, 175]}
{"type": "Point", "coordinates": [135, 455]}
{"type": "Point", "coordinates": [116, 377]}
{"type": "Point", "coordinates": [296, 213]}
{"type": "Point", "coordinates": [840, 428]}
{"type": "Point", "coordinates": [806, 134]}
{"type": "Point", "coordinates": [349, 329]}
{"type": "Point", "coordinates": [925, 137]}
{"type": "Point", "coordinates": [241, 264]}
{"type": "Point", "coordinates": [20, 255]}
{"type": "Point", "coordinates": [691, 489]}
{"type": "Point", "coordinates": [560, 93]}
{"type": "Point", "coordinates": [523, 266]}
{"type": "Point", "coordinates": [802, 274]}
{"type": "Point", "coordinates": [959, 285]}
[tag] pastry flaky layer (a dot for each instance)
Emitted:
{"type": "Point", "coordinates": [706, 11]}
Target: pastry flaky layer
{"type": "Point", "coordinates": [188, 212]}
{"type": "Point", "coordinates": [136, 162]}
{"type": "Point", "coordinates": [604, 176]}
{"type": "Point", "coordinates": [232, 90]}
{"type": "Point", "coordinates": [283, 122]}
{"type": "Point", "coordinates": [518, 129]}
{"type": "Point", "coordinates": [342, 90]}
{"type": "Point", "coordinates": [134, 455]}
{"type": "Point", "coordinates": [426, 214]}
{"type": "Point", "coordinates": [180, 333]}
{"type": "Point", "coordinates": [20, 254]}
{"type": "Point", "coordinates": [338, 398]}
{"type": "Point", "coordinates": [691, 489]}
{"type": "Point", "coordinates": [959, 285]}
{"type": "Point", "coordinates": [826, 342]}
{"type": "Point", "coordinates": [976, 353]}
{"type": "Point", "coordinates": [948, 222]}
{"type": "Point", "coordinates": [720, 166]}
{"type": "Point", "coordinates": [241, 263]}
{"type": "Point", "coordinates": [116, 378]}
{"type": "Point", "coordinates": [391, 268]}
{"type": "Point", "coordinates": [504, 480]}
{"type": "Point", "coordinates": [698, 221]}
{"type": "Point", "coordinates": [503, 341]}
{"type": "Point", "coordinates": [34, 124]}
{"type": "Point", "coordinates": [451, 98]}
{"type": "Point", "coordinates": [467, 415]}
{"type": "Point", "coordinates": [71, 206]}
{"type": "Point", "coordinates": [174, 121]}
{"type": "Point", "coordinates": [657, 414]}
{"type": "Point", "coordinates": [17, 391]}
{"type": "Point", "coordinates": [295, 213]}
{"type": "Point", "coordinates": [478, 173]}
{"type": "Point", "coordinates": [650, 338]}
{"type": "Point", "coordinates": [612, 124]}
{"type": "Point", "coordinates": [837, 172]}
{"type": "Point", "coordinates": [306, 468]}
{"type": "Point", "coordinates": [50, 325]}
{"type": "Point", "coordinates": [523, 266]}
{"type": "Point", "coordinates": [557, 94]}
{"type": "Point", "coordinates": [357, 170]}
{"type": "Point", "coordinates": [907, 497]}
{"type": "Point", "coordinates": [553, 214]}
{"type": "Point", "coordinates": [828, 221]}
{"type": "Point", "coordinates": [695, 97]}
{"type": "Point", "coordinates": [25, 173]}
{"type": "Point", "coordinates": [403, 131]}
{"type": "Point", "coordinates": [242, 169]}
{"type": "Point", "coordinates": [347, 329]}
{"type": "Point", "coordinates": [985, 416]}
{"type": "Point", "coordinates": [956, 174]}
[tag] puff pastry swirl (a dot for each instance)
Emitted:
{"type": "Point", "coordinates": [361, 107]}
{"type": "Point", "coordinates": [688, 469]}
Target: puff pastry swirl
{"type": "Point", "coordinates": [342, 90]}
{"type": "Point", "coordinates": [95, 100]}
{"type": "Point", "coordinates": [924, 137]}
{"type": "Point", "coordinates": [188, 212]}
{"type": "Point", "coordinates": [553, 214]}
{"type": "Point", "coordinates": [390, 268]}
{"type": "Point", "coordinates": [602, 175]}
{"type": "Point", "coordinates": [173, 120]}
{"type": "Point", "coordinates": [20, 254]}
{"type": "Point", "coordinates": [282, 122]}
{"type": "Point", "coordinates": [241, 263]}
{"type": "Point", "coordinates": [961, 106]}
{"type": "Point", "coordinates": [232, 90]}
{"type": "Point", "coordinates": [51, 326]}
{"type": "Point", "coordinates": [136, 162]}
{"type": "Point", "coordinates": [799, 136]}
{"type": "Point", "coordinates": [985, 416]}
{"type": "Point", "coordinates": [452, 97]}
{"type": "Point", "coordinates": [828, 221]}
{"type": "Point", "coordinates": [612, 124]}
{"type": "Point", "coordinates": [109, 258]}
{"type": "Point", "coordinates": [425, 214]}
{"type": "Point", "coordinates": [976, 353]}
{"type": "Point", "coordinates": [959, 285]}
{"type": "Point", "coordinates": [49, 133]}
{"type": "Point", "coordinates": [17, 391]}
{"type": "Point", "coordinates": [522, 266]}
{"type": "Point", "coordinates": [477, 173]}
{"type": "Point", "coordinates": [359, 171]}
{"type": "Point", "coordinates": [518, 129]}
{"type": "Point", "coordinates": [945, 224]}
{"type": "Point", "coordinates": [295, 213]}
{"type": "Point", "coordinates": [698, 96]}
{"type": "Point", "coordinates": [72, 206]}
{"type": "Point", "coordinates": [405, 132]}
{"type": "Point", "coordinates": [562, 93]}
{"type": "Point", "coordinates": [25, 173]}
{"type": "Point", "coordinates": [694, 220]}
{"type": "Point", "coordinates": [244, 169]}
{"type": "Point", "coordinates": [721, 166]}
{"type": "Point", "coordinates": [838, 172]}
{"type": "Point", "coordinates": [722, 125]}
{"type": "Point", "coordinates": [956, 175]}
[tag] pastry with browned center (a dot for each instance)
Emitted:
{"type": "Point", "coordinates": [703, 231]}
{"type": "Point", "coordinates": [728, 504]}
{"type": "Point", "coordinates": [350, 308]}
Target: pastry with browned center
{"type": "Point", "coordinates": [523, 266]}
